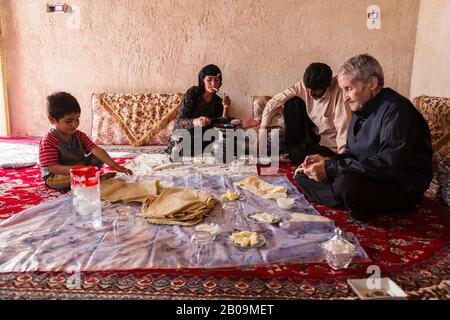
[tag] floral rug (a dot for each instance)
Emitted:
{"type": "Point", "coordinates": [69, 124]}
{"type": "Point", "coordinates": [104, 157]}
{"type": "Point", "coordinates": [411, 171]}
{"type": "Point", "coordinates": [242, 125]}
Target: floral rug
{"type": "Point", "coordinates": [411, 248]}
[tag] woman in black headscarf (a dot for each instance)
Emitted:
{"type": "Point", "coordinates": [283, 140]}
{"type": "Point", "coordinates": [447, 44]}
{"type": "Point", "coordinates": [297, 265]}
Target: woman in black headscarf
{"type": "Point", "coordinates": [201, 104]}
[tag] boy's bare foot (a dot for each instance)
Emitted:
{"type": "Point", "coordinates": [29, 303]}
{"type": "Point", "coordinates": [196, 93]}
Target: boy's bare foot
{"type": "Point", "coordinates": [108, 175]}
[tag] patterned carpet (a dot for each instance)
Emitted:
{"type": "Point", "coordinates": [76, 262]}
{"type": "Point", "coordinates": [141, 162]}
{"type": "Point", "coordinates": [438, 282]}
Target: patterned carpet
{"type": "Point", "coordinates": [412, 249]}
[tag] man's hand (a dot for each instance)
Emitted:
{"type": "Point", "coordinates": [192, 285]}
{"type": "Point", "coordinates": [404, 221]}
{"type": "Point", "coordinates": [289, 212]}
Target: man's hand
{"type": "Point", "coordinates": [309, 160]}
{"type": "Point", "coordinates": [311, 164]}
{"type": "Point", "coordinates": [316, 171]}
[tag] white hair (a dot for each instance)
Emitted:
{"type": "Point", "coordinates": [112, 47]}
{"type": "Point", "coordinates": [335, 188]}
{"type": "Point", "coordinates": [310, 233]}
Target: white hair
{"type": "Point", "coordinates": [362, 67]}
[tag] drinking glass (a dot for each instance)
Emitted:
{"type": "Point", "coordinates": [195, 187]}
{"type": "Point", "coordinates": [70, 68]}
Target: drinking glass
{"type": "Point", "coordinates": [235, 167]}
{"type": "Point", "coordinates": [232, 215]}
{"type": "Point", "coordinates": [192, 178]}
{"type": "Point", "coordinates": [202, 254]}
{"type": "Point", "coordinates": [122, 224]}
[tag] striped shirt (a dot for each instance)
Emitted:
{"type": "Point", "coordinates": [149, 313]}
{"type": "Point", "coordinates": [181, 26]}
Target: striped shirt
{"type": "Point", "coordinates": [54, 150]}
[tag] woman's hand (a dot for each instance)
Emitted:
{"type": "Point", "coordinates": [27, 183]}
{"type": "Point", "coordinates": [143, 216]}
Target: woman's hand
{"type": "Point", "coordinates": [226, 102]}
{"type": "Point", "coordinates": [202, 122]}
{"type": "Point", "coordinates": [250, 123]}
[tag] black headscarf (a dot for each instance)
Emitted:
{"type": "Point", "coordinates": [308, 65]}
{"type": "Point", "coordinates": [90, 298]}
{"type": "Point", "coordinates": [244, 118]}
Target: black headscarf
{"type": "Point", "coordinates": [209, 70]}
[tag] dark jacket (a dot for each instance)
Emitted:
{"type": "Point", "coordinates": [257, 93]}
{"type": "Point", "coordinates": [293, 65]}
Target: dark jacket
{"type": "Point", "coordinates": [387, 140]}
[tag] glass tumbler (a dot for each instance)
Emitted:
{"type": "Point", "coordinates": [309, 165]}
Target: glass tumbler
{"type": "Point", "coordinates": [203, 243]}
{"type": "Point", "coordinates": [232, 215]}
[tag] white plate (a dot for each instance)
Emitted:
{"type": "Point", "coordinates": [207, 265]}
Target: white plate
{"type": "Point", "coordinates": [388, 290]}
{"type": "Point", "coordinates": [252, 219]}
{"type": "Point", "coordinates": [236, 190]}
{"type": "Point", "coordinates": [261, 242]}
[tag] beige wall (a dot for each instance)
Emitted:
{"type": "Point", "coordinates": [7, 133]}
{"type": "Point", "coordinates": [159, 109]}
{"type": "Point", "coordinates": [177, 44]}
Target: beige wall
{"type": "Point", "coordinates": [431, 71]}
{"type": "Point", "coordinates": [138, 46]}
{"type": "Point", "coordinates": [4, 111]}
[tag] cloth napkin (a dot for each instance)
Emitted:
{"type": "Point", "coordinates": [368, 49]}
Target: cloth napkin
{"type": "Point", "coordinates": [115, 190]}
{"type": "Point", "coordinates": [262, 188]}
{"type": "Point", "coordinates": [181, 206]}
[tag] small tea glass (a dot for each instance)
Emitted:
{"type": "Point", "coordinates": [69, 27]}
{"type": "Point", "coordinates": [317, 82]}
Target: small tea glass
{"type": "Point", "coordinates": [232, 214]}
{"type": "Point", "coordinates": [235, 167]}
{"type": "Point", "coordinates": [192, 178]}
{"type": "Point", "coordinates": [122, 224]}
{"type": "Point", "coordinates": [202, 254]}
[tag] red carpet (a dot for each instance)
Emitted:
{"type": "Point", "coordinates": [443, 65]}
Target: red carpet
{"type": "Point", "coordinates": [411, 248]}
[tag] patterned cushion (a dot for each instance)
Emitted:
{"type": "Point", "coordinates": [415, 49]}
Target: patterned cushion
{"type": "Point", "coordinates": [275, 127]}
{"type": "Point", "coordinates": [443, 178]}
{"type": "Point", "coordinates": [133, 119]}
{"type": "Point", "coordinates": [436, 111]}
{"type": "Point", "coordinates": [440, 185]}
{"type": "Point", "coordinates": [258, 104]}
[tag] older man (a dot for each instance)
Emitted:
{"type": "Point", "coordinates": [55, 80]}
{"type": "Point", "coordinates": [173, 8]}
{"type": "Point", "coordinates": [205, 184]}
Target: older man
{"type": "Point", "coordinates": [387, 166]}
{"type": "Point", "coordinates": [315, 116]}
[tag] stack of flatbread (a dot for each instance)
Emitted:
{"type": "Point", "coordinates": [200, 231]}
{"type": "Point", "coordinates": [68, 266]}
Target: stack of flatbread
{"type": "Point", "coordinates": [262, 188]}
{"type": "Point", "coordinates": [181, 206]}
{"type": "Point", "coordinates": [114, 190]}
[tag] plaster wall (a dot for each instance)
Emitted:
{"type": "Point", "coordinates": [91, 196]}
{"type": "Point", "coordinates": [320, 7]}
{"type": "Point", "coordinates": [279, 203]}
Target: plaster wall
{"type": "Point", "coordinates": [262, 47]}
{"type": "Point", "coordinates": [431, 68]}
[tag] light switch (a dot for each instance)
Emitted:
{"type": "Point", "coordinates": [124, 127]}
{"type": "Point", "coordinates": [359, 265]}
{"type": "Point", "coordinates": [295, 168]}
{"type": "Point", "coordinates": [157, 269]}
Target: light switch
{"type": "Point", "coordinates": [373, 17]}
{"type": "Point", "coordinates": [58, 7]}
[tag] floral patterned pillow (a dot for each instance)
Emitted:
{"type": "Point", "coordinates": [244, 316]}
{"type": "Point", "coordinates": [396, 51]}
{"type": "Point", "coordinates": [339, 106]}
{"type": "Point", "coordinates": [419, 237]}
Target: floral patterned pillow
{"type": "Point", "coordinates": [105, 130]}
{"type": "Point", "coordinates": [436, 111]}
{"type": "Point", "coordinates": [258, 105]}
{"type": "Point", "coordinates": [276, 127]}
{"type": "Point", "coordinates": [443, 178]}
{"type": "Point", "coordinates": [109, 129]}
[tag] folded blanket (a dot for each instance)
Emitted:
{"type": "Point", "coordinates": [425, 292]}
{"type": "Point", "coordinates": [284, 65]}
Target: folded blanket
{"type": "Point", "coordinates": [180, 206]}
{"type": "Point", "coordinates": [262, 188]}
{"type": "Point", "coordinates": [115, 190]}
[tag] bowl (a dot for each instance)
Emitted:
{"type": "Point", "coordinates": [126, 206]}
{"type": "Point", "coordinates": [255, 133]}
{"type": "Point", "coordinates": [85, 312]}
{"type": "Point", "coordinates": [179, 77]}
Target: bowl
{"type": "Point", "coordinates": [285, 203]}
{"type": "Point", "coordinates": [211, 228]}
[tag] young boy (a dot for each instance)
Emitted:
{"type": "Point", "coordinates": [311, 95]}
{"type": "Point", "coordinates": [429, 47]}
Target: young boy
{"type": "Point", "coordinates": [64, 146]}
